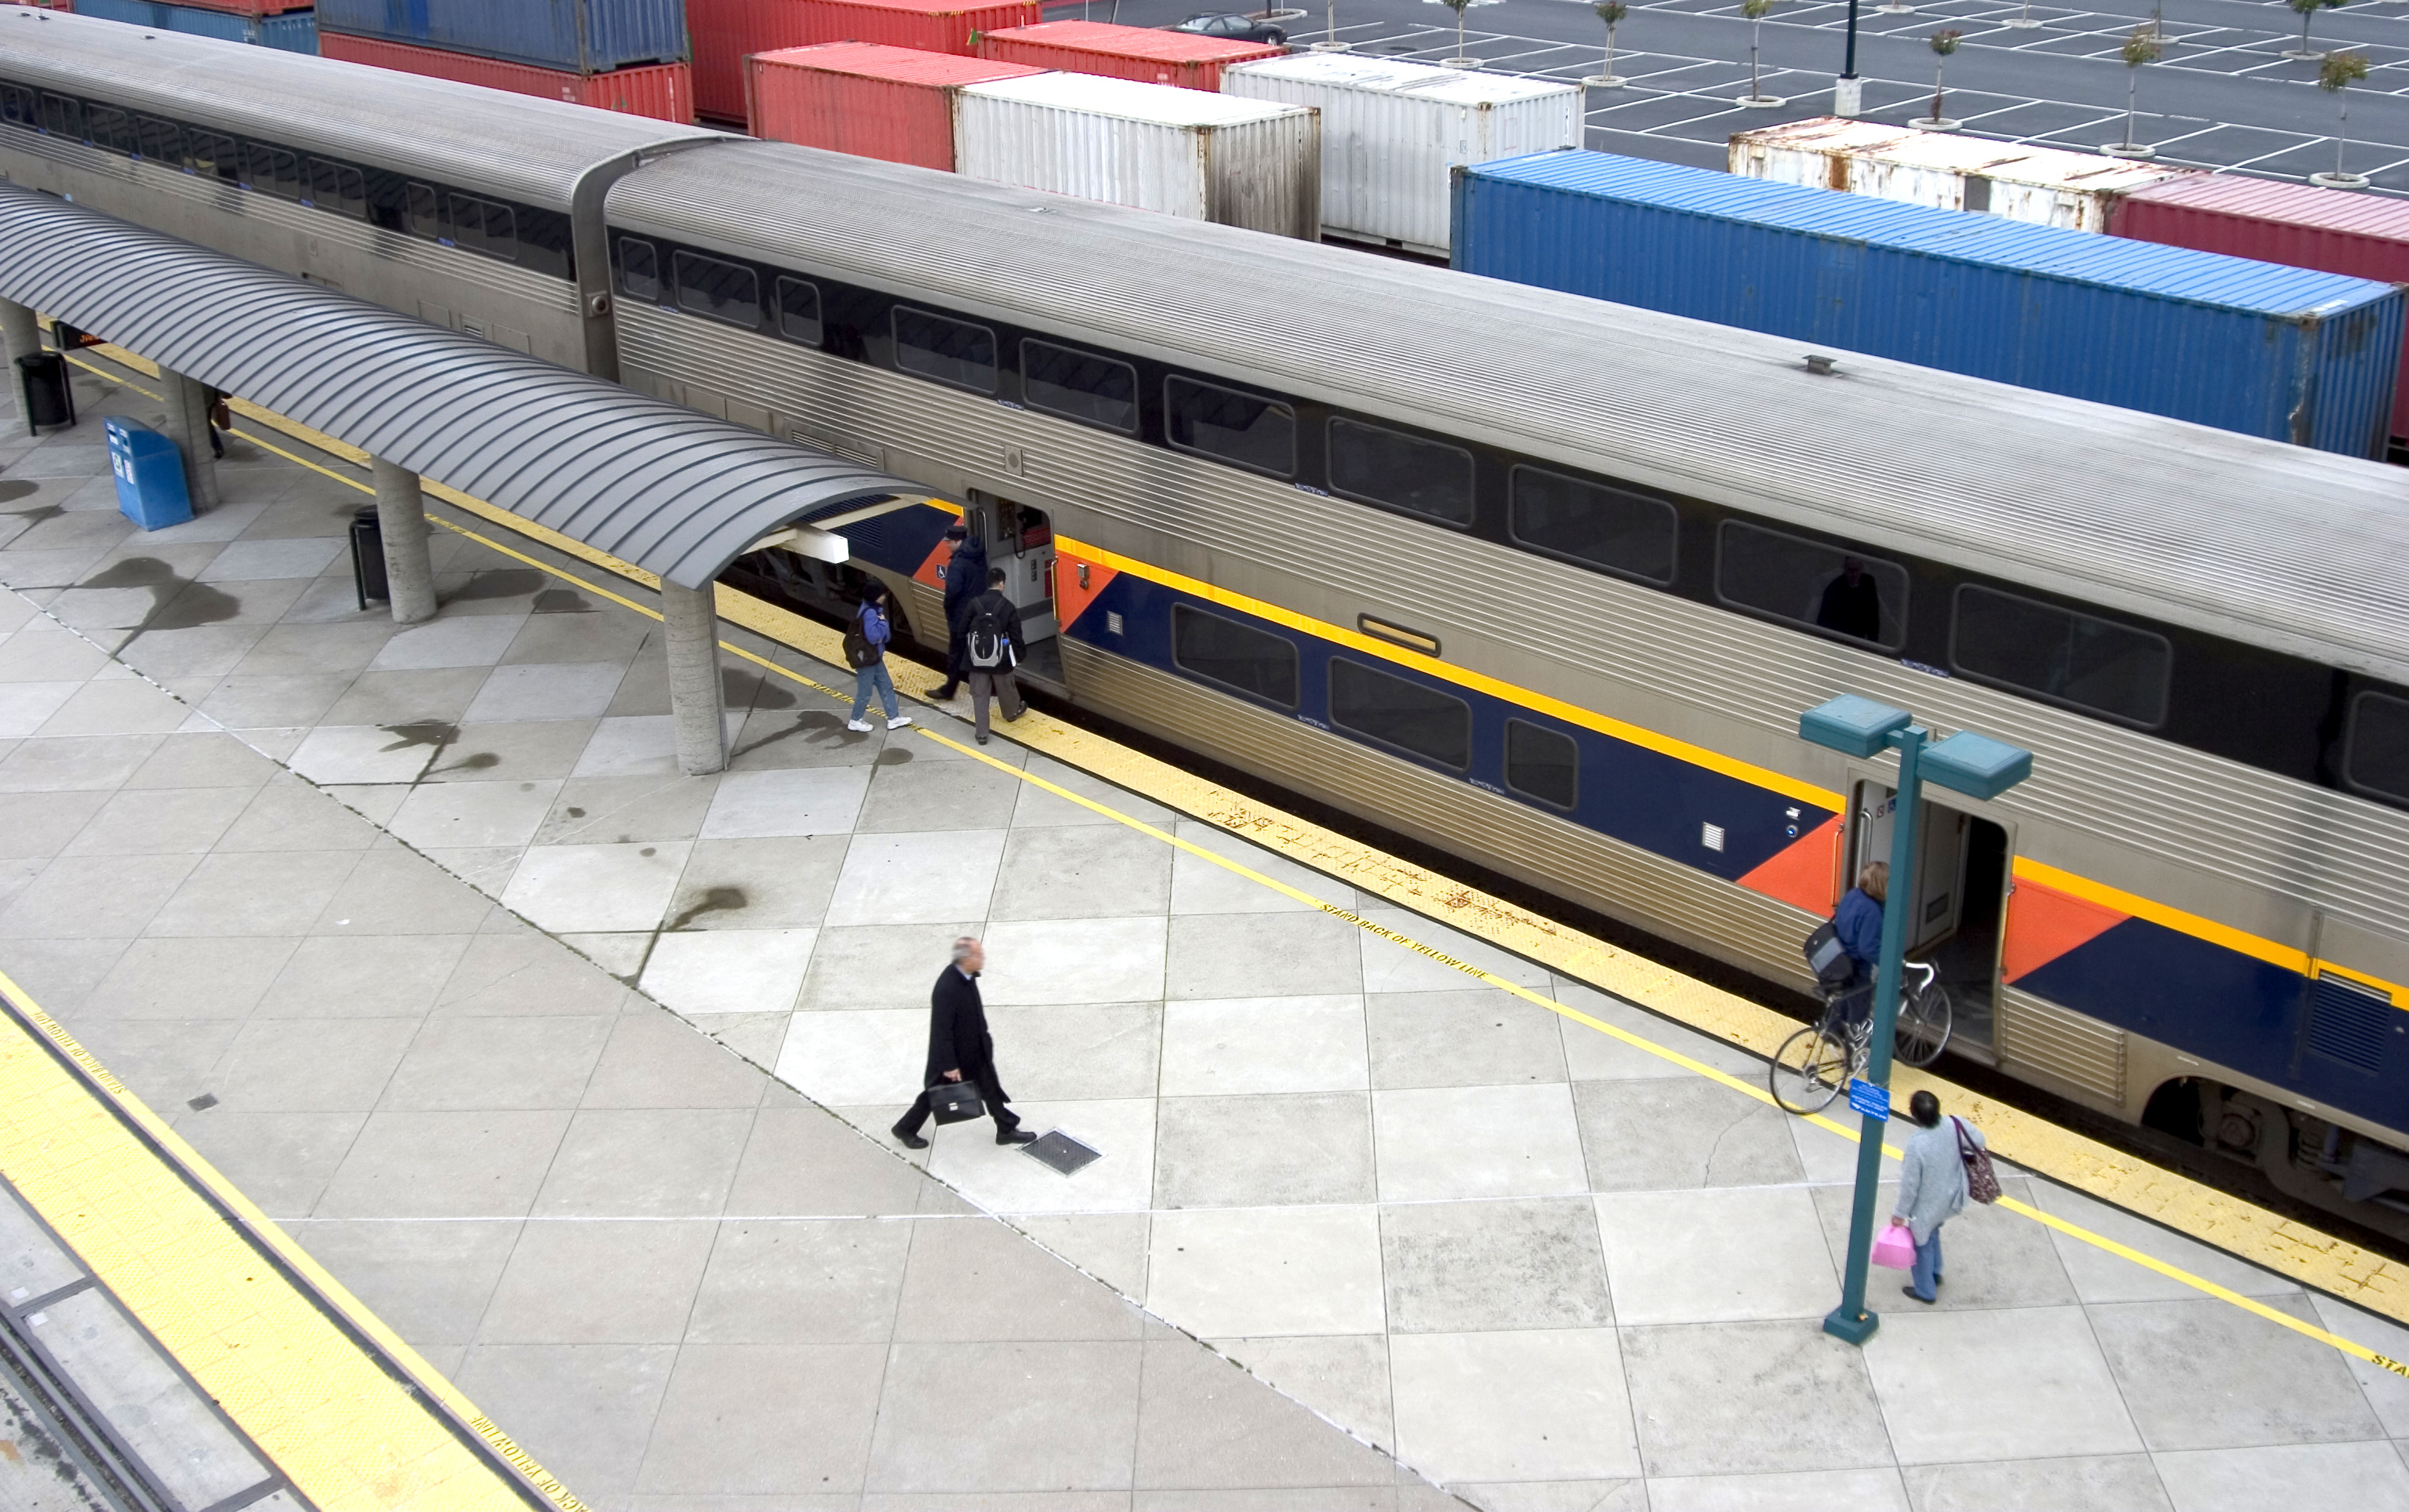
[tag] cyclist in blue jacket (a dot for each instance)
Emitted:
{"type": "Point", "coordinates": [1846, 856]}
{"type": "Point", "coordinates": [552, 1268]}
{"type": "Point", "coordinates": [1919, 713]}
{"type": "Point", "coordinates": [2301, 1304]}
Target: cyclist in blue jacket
{"type": "Point", "coordinates": [1859, 923]}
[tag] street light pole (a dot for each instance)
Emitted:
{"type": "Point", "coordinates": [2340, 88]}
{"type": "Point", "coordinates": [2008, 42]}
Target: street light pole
{"type": "Point", "coordinates": [1849, 91]}
{"type": "Point", "coordinates": [1851, 1320]}
{"type": "Point", "coordinates": [1971, 764]}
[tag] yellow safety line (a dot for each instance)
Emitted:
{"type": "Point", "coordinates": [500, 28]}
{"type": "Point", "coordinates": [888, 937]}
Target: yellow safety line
{"type": "Point", "coordinates": [344, 1430]}
{"type": "Point", "coordinates": [2247, 1231]}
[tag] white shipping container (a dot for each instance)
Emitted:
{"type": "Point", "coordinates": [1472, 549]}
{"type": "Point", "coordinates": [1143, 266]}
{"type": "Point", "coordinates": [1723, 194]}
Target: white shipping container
{"type": "Point", "coordinates": [1393, 133]}
{"type": "Point", "coordinates": [1156, 147]}
{"type": "Point", "coordinates": [2044, 185]}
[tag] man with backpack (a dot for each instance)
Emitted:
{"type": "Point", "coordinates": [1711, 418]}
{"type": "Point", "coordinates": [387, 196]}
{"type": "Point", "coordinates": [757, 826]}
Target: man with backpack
{"type": "Point", "coordinates": [865, 651]}
{"type": "Point", "coordinates": [965, 577]}
{"type": "Point", "coordinates": [992, 646]}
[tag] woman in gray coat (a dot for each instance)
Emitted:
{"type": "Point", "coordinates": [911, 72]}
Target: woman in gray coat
{"type": "Point", "coordinates": [1931, 1189]}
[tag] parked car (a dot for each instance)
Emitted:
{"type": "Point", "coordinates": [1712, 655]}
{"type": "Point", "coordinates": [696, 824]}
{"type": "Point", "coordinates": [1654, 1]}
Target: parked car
{"type": "Point", "coordinates": [1235, 27]}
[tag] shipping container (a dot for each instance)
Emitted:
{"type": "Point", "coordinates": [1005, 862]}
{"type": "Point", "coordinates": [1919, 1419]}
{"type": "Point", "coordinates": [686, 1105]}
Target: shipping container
{"type": "Point", "coordinates": [293, 31]}
{"type": "Point", "coordinates": [726, 32]}
{"type": "Point", "coordinates": [663, 91]}
{"type": "Point", "coordinates": [574, 36]}
{"type": "Point", "coordinates": [2332, 230]}
{"type": "Point", "coordinates": [2043, 185]}
{"type": "Point", "coordinates": [239, 7]}
{"type": "Point", "coordinates": [891, 102]}
{"type": "Point", "coordinates": [2280, 352]}
{"type": "Point", "coordinates": [1392, 131]}
{"type": "Point", "coordinates": [1145, 53]}
{"type": "Point", "coordinates": [1182, 152]}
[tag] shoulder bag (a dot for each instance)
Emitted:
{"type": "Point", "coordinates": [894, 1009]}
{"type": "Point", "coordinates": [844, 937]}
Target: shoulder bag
{"type": "Point", "coordinates": [1981, 1182]}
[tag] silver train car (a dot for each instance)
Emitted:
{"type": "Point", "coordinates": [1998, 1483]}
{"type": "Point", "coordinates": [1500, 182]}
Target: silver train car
{"type": "Point", "coordinates": [1541, 581]}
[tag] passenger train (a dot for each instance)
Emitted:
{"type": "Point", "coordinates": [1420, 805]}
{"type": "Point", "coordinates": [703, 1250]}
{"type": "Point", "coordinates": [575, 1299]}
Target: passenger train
{"type": "Point", "coordinates": [1539, 580]}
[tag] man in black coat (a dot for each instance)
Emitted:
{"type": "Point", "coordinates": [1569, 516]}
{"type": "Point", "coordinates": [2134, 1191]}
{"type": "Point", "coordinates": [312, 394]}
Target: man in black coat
{"type": "Point", "coordinates": [960, 1049]}
{"type": "Point", "coordinates": [965, 580]}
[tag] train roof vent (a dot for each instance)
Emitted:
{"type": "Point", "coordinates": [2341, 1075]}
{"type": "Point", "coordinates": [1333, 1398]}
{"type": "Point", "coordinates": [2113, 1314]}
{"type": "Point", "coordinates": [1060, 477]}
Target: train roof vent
{"type": "Point", "coordinates": [2349, 1023]}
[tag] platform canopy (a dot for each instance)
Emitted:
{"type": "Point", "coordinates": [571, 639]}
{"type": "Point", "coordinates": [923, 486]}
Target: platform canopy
{"type": "Point", "coordinates": [678, 493]}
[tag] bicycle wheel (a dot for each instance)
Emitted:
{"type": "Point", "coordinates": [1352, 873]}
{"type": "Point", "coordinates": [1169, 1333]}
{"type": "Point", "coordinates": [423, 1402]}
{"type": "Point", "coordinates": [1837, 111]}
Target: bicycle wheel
{"type": "Point", "coordinates": [1924, 1022]}
{"type": "Point", "coordinates": [1809, 1071]}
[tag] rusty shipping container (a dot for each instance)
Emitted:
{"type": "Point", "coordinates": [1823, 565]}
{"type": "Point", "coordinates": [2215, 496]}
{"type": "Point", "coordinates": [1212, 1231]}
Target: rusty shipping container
{"type": "Point", "coordinates": [726, 32]}
{"type": "Point", "coordinates": [1143, 54]}
{"type": "Point", "coordinates": [2332, 230]}
{"type": "Point", "coordinates": [891, 102]}
{"type": "Point", "coordinates": [664, 92]}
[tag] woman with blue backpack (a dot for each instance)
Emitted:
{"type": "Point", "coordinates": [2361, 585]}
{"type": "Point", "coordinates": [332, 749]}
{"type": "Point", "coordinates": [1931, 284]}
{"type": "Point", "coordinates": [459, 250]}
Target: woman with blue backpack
{"type": "Point", "coordinates": [865, 650]}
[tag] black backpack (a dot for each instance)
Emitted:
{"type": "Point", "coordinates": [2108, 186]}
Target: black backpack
{"type": "Point", "coordinates": [1827, 958]}
{"type": "Point", "coordinates": [987, 646]}
{"type": "Point", "coordinates": [859, 651]}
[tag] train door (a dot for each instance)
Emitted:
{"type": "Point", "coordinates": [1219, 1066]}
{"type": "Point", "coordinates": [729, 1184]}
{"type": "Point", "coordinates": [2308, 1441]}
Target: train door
{"type": "Point", "coordinates": [1960, 895]}
{"type": "Point", "coordinates": [1020, 541]}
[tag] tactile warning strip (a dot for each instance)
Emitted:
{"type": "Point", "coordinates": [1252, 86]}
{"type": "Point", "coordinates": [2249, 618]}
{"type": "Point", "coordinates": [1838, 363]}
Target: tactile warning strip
{"type": "Point", "coordinates": [148, 1217]}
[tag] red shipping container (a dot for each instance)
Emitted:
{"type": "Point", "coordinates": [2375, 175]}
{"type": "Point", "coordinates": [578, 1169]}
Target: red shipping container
{"type": "Point", "coordinates": [244, 7]}
{"type": "Point", "coordinates": [2299, 225]}
{"type": "Point", "coordinates": [726, 32]}
{"type": "Point", "coordinates": [663, 91]}
{"type": "Point", "coordinates": [890, 103]}
{"type": "Point", "coordinates": [1139, 52]}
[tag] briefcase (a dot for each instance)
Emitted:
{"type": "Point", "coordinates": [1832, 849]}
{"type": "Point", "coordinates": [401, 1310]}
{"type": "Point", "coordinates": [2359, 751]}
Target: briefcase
{"type": "Point", "coordinates": [955, 1102]}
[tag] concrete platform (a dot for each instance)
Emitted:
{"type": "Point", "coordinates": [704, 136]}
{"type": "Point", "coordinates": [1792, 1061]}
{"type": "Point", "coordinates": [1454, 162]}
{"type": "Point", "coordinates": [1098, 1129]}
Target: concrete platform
{"type": "Point", "coordinates": [410, 905]}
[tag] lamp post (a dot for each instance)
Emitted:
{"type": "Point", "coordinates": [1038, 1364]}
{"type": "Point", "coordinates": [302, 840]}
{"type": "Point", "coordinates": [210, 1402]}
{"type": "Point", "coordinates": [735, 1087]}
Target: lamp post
{"type": "Point", "coordinates": [1967, 763]}
{"type": "Point", "coordinates": [1849, 91]}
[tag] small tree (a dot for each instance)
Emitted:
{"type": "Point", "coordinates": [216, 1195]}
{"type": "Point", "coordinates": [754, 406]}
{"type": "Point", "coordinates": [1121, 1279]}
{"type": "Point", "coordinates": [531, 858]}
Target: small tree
{"type": "Point", "coordinates": [1459, 7]}
{"type": "Point", "coordinates": [1944, 42]}
{"type": "Point", "coordinates": [2141, 49]}
{"type": "Point", "coordinates": [2336, 73]}
{"type": "Point", "coordinates": [2308, 9]}
{"type": "Point", "coordinates": [1755, 10]}
{"type": "Point", "coordinates": [1611, 12]}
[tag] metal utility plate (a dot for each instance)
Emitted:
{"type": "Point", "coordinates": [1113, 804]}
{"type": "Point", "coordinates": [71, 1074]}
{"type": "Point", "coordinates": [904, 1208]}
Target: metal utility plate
{"type": "Point", "coordinates": [1061, 1152]}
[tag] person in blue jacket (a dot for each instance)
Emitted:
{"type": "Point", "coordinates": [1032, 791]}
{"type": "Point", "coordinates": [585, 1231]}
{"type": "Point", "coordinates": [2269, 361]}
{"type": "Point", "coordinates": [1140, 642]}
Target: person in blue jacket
{"type": "Point", "coordinates": [1859, 923]}
{"type": "Point", "coordinates": [871, 621]}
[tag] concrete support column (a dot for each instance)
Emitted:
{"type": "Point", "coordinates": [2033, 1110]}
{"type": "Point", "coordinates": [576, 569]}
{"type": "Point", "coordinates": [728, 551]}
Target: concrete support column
{"type": "Point", "coordinates": [692, 620]}
{"type": "Point", "coordinates": [401, 518]}
{"type": "Point", "coordinates": [188, 427]}
{"type": "Point", "coordinates": [20, 336]}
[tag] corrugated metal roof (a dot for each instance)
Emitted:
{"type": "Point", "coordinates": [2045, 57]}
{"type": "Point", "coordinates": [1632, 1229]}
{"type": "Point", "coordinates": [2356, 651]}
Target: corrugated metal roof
{"type": "Point", "coordinates": [520, 147]}
{"type": "Point", "coordinates": [2272, 545]}
{"type": "Point", "coordinates": [2048, 252]}
{"type": "Point", "coordinates": [678, 494]}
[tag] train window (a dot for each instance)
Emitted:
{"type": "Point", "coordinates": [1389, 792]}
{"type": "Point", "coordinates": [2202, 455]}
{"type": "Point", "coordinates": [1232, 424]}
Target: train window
{"type": "Point", "coordinates": [639, 269]}
{"type": "Point", "coordinates": [17, 108]}
{"type": "Point", "coordinates": [422, 212]}
{"type": "Point", "coordinates": [1807, 582]}
{"type": "Point", "coordinates": [1542, 763]}
{"type": "Point", "coordinates": [1379, 465]}
{"type": "Point", "coordinates": [1079, 385]}
{"type": "Point", "coordinates": [271, 170]}
{"type": "Point", "coordinates": [212, 155]}
{"type": "Point", "coordinates": [480, 225]}
{"type": "Point", "coordinates": [111, 128]}
{"type": "Point", "coordinates": [799, 311]}
{"type": "Point", "coordinates": [160, 142]}
{"type": "Point", "coordinates": [2061, 656]}
{"type": "Point", "coordinates": [1239, 657]}
{"type": "Point", "coordinates": [724, 290]}
{"type": "Point", "coordinates": [1615, 528]}
{"type": "Point", "coordinates": [949, 351]}
{"type": "Point", "coordinates": [1395, 711]}
{"type": "Point", "coordinates": [1229, 427]}
{"type": "Point", "coordinates": [63, 117]}
{"type": "Point", "coordinates": [2376, 760]}
{"type": "Point", "coordinates": [340, 189]}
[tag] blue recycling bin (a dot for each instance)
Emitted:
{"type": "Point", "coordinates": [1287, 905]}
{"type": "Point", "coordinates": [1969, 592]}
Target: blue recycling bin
{"type": "Point", "coordinates": [150, 472]}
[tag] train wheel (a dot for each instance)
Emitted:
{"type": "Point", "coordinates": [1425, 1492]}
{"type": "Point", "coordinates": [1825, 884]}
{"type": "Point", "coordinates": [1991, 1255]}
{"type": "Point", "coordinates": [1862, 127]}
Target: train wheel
{"type": "Point", "coordinates": [1809, 1071]}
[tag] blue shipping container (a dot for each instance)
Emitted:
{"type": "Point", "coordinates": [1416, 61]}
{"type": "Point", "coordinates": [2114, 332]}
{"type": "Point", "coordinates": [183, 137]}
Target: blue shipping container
{"type": "Point", "coordinates": [295, 31]}
{"type": "Point", "coordinates": [579, 37]}
{"type": "Point", "coordinates": [2283, 353]}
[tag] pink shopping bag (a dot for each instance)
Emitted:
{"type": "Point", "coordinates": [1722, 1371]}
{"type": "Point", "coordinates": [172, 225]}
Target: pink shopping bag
{"type": "Point", "coordinates": [1895, 1248]}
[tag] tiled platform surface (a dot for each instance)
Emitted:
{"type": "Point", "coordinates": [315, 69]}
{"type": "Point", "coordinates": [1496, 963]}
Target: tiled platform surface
{"type": "Point", "coordinates": [1545, 1268]}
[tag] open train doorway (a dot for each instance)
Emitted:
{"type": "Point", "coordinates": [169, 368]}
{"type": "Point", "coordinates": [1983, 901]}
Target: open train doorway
{"type": "Point", "coordinates": [1961, 888]}
{"type": "Point", "coordinates": [1020, 542]}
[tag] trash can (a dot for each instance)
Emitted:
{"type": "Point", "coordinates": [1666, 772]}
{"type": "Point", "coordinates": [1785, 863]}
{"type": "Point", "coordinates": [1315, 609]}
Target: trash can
{"type": "Point", "coordinates": [42, 384]}
{"type": "Point", "coordinates": [367, 556]}
{"type": "Point", "coordinates": [150, 471]}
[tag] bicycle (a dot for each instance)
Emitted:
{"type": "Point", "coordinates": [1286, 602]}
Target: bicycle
{"type": "Point", "coordinates": [1815, 1065]}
